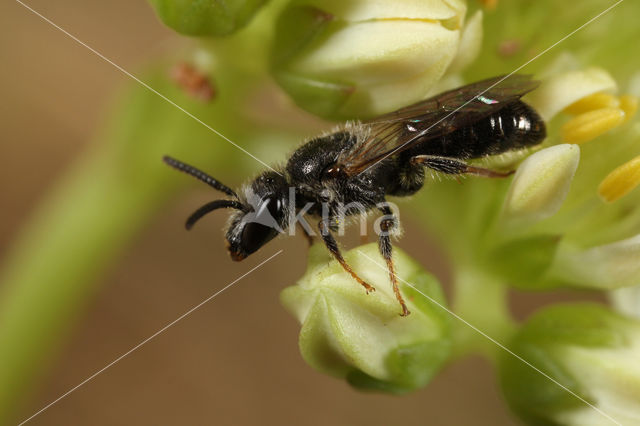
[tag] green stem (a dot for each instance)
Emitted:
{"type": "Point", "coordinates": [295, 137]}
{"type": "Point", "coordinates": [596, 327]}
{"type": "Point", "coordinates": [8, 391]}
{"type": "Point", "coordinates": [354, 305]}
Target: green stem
{"type": "Point", "coordinates": [48, 282]}
{"type": "Point", "coordinates": [481, 303]}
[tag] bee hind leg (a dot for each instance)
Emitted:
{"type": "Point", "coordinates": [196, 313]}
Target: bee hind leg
{"type": "Point", "coordinates": [332, 246]}
{"type": "Point", "coordinates": [388, 223]}
{"type": "Point", "coordinates": [454, 166]}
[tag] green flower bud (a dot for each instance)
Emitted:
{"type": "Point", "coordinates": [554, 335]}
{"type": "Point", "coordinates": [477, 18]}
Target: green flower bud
{"type": "Point", "coordinates": [361, 337]}
{"type": "Point", "coordinates": [206, 17]}
{"type": "Point", "coordinates": [590, 352]}
{"type": "Point", "coordinates": [541, 184]}
{"type": "Point", "coordinates": [362, 58]}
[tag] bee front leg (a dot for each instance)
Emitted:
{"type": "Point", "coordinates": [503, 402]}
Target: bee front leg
{"type": "Point", "coordinates": [387, 224]}
{"type": "Point", "coordinates": [454, 166]}
{"type": "Point", "coordinates": [332, 245]}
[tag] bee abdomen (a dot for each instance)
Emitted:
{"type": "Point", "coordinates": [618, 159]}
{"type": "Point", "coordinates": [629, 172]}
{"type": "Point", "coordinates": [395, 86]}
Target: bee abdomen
{"type": "Point", "coordinates": [514, 127]}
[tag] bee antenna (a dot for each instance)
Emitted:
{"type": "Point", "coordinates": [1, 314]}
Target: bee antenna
{"type": "Point", "coordinates": [209, 207]}
{"type": "Point", "coordinates": [198, 174]}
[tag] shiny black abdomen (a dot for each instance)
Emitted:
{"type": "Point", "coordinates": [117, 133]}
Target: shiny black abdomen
{"type": "Point", "coordinates": [513, 127]}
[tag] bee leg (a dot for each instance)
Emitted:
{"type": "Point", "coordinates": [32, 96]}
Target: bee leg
{"type": "Point", "coordinates": [307, 235]}
{"type": "Point", "coordinates": [387, 224]}
{"type": "Point", "coordinates": [332, 245]}
{"type": "Point", "coordinates": [455, 167]}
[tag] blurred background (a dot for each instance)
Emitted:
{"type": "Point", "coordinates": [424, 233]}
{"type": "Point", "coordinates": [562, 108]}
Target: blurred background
{"type": "Point", "coordinates": [233, 361]}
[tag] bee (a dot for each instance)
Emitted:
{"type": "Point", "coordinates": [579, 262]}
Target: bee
{"type": "Point", "coordinates": [363, 163]}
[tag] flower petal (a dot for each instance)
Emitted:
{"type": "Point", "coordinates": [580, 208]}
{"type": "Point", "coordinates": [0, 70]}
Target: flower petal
{"type": "Point", "coordinates": [390, 63]}
{"type": "Point", "coordinates": [607, 266]}
{"type": "Point", "coordinates": [367, 10]}
{"type": "Point", "coordinates": [541, 184]}
{"type": "Point", "coordinates": [470, 44]}
{"type": "Point", "coordinates": [561, 90]}
{"type": "Point", "coordinates": [626, 300]}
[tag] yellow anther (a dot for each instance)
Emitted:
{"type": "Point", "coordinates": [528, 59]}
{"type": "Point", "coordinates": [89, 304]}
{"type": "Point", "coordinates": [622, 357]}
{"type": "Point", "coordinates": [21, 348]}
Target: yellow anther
{"type": "Point", "coordinates": [629, 104]}
{"type": "Point", "coordinates": [589, 125]}
{"type": "Point", "coordinates": [620, 181]}
{"type": "Point", "coordinates": [592, 102]}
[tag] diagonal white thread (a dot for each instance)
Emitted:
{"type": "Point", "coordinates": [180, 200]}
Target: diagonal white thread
{"type": "Point", "coordinates": [458, 317]}
{"type": "Point", "coordinates": [424, 132]}
{"type": "Point", "coordinates": [147, 340]}
{"type": "Point", "coordinates": [146, 85]}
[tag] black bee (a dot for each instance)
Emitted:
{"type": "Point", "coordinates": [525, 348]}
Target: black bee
{"type": "Point", "coordinates": [360, 164]}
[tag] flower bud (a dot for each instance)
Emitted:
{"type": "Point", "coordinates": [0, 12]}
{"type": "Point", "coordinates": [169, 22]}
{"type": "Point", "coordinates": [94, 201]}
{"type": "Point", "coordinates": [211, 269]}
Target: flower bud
{"type": "Point", "coordinates": [364, 57]}
{"type": "Point", "coordinates": [608, 266]}
{"type": "Point", "coordinates": [361, 337]}
{"type": "Point", "coordinates": [206, 17]}
{"type": "Point", "coordinates": [562, 90]}
{"type": "Point", "coordinates": [541, 184]}
{"type": "Point", "coordinates": [590, 358]}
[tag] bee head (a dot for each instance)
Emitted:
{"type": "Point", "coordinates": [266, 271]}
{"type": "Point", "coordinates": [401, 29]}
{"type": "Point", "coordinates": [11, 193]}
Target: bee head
{"type": "Point", "coordinates": [261, 212]}
{"type": "Point", "coordinates": [263, 217]}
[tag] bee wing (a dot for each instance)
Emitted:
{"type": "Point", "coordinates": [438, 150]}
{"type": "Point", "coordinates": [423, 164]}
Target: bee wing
{"type": "Point", "coordinates": [400, 130]}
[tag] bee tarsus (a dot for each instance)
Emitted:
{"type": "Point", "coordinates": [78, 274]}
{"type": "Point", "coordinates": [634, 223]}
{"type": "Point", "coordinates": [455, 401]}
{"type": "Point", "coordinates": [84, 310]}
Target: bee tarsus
{"type": "Point", "coordinates": [456, 167]}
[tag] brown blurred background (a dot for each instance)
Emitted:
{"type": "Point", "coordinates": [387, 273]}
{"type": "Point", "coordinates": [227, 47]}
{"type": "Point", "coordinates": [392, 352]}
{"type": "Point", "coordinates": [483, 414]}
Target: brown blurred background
{"type": "Point", "coordinates": [233, 361]}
